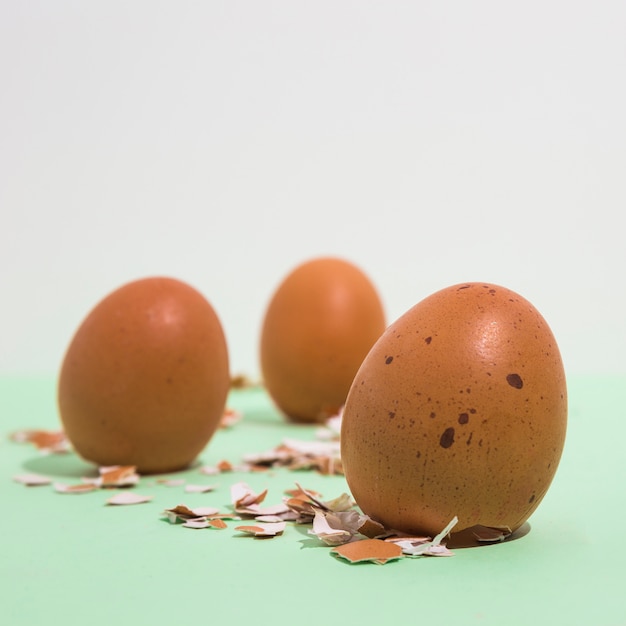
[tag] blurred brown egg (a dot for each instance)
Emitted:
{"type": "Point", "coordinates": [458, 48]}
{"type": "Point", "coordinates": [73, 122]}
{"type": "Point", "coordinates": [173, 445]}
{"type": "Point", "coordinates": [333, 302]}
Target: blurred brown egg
{"type": "Point", "coordinates": [459, 409]}
{"type": "Point", "coordinates": [318, 327]}
{"type": "Point", "coordinates": [145, 378]}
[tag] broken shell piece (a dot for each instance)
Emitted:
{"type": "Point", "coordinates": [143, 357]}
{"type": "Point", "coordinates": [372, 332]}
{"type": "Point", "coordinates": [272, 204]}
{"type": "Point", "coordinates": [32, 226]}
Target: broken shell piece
{"type": "Point", "coordinates": [274, 509]}
{"type": "Point", "coordinates": [46, 441]}
{"type": "Point", "coordinates": [269, 458]}
{"type": "Point", "coordinates": [230, 418]}
{"type": "Point", "coordinates": [301, 493]}
{"type": "Point", "coordinates": [446, 531]}
{"type": "Point", "coordinates": [263, 529]}
{"type": "Point", "coordinates": [332, 530]}
{"type": "Point", "coordinates": [222, 467]}
{"type": "Point", "coordinates": [439, 550]}
{"type": "Point", "coordinates": [32, 480]}
{"type": "Point", "coordinates": [327, 466]}
{"type": "Point", "coordinates": [247, 502]}
{"type": "Point", "coordinates": [312, 497]}
{"type": "Point", "coordinates": [338, 527]}
{"type": "Point", "coordinates": [303, 509]}
{"type": "Point", "coordinates": [217, 523]}
{"type": "Point", "coordinates": [372, 550]}
{"type": "Point", "coordinates": [115, 476]}
{"type": "Point", "coordinates": [200, 522]}
{"type": "Point", "coordinates": [424, 546]}
{"type": "Point", "coordinates": [322, 456]}
{"type": "Point", "coordinates": [205, 511]}
{"type": "Point", "coordinates": [342, 503]}
{"type": "Point", "coordinates": [242, 497]}
{"type": "Point", "coordinates": [127, 497]}
{"type": "Point", "coordinates": [171, 482]}
{"type": "Point", "coordinates": [180, 511]}
{"type": "Point", "coordinates": [183, 512]}
{"type": "Point", "coordinates": [371, 528]}
{"type": "Point", "coordinates": [75, 489]}
{"type": "Point", "coordinates": [305, 504]}
{"type": "Point", "coordinates": [204, 522]}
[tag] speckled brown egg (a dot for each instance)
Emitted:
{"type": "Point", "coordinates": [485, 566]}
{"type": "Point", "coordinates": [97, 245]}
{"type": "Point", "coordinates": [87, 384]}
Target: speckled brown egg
{"type": "Point", "coordinates": [459, 409]}
{"type": "Point", "coordinates": [319, 325]}
{"type": "Point", "coordinates": [145, 378]}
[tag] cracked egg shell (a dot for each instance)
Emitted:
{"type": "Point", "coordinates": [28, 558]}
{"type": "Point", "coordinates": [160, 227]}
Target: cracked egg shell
{"type": "Point", "coordinates": [319, 325]}
{"type": "Point", "coordinates": [145, 378]}
{"type": "Point", "coordinates": [460, 408]}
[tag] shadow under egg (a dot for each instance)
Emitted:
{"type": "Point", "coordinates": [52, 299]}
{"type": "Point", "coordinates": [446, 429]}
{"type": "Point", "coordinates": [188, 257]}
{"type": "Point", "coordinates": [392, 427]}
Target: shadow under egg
{"type": "Point", "coordinates": [67, 465]}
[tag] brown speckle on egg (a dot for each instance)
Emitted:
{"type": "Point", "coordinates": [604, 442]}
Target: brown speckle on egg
{"type": "Point", "coordinates": [515, 380]}
{"type": "Point", "coordinates": [447, 438]}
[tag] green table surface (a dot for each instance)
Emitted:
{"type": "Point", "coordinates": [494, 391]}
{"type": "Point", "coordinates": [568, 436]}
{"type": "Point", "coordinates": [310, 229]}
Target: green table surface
{"type": "Point", "coordinates": [70, 559]}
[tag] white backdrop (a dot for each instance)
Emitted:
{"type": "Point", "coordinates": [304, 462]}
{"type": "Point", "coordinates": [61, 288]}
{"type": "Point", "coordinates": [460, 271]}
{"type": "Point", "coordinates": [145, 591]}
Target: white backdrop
{"type": "Point", "coordinates": [224, 142]}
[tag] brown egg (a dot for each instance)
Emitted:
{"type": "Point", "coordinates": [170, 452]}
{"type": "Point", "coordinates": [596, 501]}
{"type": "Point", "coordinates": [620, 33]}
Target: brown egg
{"type": "Point", "coordinates": [320, 323]}
{"type": "Point", "coordinates": [145, 378]}
{"type": "Point", "coordinates": [459, 409]}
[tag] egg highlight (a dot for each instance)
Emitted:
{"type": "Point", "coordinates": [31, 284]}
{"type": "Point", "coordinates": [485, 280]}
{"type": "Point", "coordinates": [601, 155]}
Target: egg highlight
{"type": "Point", "coordinates": [145, 378]}
{"type": "Point", "coordinates": [459, 409]}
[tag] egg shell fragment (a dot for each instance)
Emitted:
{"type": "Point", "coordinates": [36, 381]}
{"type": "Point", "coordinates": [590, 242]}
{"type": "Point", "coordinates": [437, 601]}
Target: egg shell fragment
{"type": "Point", "coordinates": [145, 378]}
{"type": "Point", "coordinates": [459, 409]}
{"type": "Point", "coordinates": [319, 325]}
